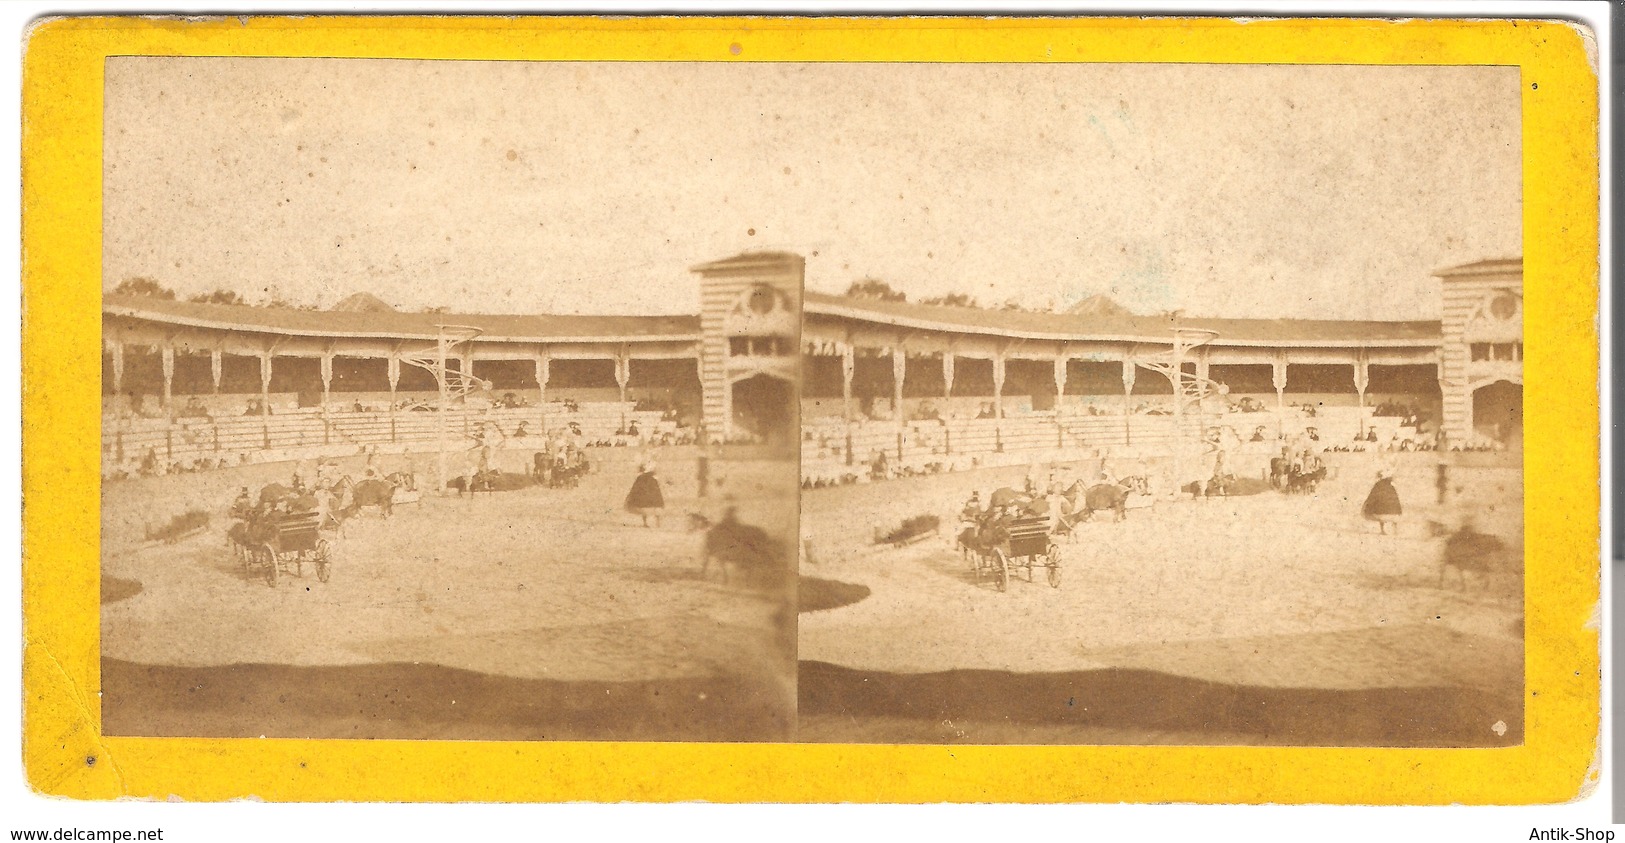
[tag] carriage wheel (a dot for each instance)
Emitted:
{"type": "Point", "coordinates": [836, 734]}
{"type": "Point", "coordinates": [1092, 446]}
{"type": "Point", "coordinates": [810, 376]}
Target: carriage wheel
{"type": "Point", "coordinates": [1001, 569]}
{"type": "Point", "coordinates": [1053, 563]}
{"type": "Point", "coordinates": [268, 557]}
{"type": "Point", "coordinates": [324, 560]}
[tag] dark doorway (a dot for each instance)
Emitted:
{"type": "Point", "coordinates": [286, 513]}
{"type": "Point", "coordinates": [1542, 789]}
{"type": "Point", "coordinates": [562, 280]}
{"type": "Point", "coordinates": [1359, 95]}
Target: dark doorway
{"type": "Point", "coordinates": [764, 407]}
{"type": "Point", "coordinates": [1498, 411]}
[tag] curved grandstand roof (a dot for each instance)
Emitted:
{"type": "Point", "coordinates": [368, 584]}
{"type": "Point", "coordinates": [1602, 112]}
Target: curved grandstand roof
{"type": "Point", "coordinates": [330, 323]}
{"type": "Point", "coordinates": [1498, 266]}
{"type": "Point", "coordinates": [1071, 327]}
{"type": "Point", "coordinates": [589, 328]}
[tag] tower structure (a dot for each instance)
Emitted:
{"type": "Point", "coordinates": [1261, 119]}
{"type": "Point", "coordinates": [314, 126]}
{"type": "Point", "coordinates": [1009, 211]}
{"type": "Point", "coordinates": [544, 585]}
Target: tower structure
{"type": "Point", "coordinates": [1481, 354]}
{"type": "Point", "coordinates": [750, 355]}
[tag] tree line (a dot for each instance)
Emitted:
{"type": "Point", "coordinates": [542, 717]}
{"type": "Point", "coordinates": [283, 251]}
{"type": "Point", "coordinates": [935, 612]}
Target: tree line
{"type": "Point", "coordinates": [144, 286]}
{"type": "Point", "coordinates": [868, 288]}
{"type": "Point", "coordinates": [878, 290]}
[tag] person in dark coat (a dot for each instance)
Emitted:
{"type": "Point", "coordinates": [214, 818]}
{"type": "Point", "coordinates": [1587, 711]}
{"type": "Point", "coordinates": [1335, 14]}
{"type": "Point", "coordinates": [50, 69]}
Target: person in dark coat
{"type": "Point", "coordinates": [1382, 505]}
{"type": "Point", "coordinates": [646, 499]}
{"type": "Point", "coordinates": [972, 512]}
{"type": "Point", "coordinates": [243, 507]}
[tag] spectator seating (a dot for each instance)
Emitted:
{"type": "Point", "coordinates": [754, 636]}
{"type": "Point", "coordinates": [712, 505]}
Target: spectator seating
{"type": "Point", "coordinates": [834, 452]}
{"type": "Point", "coordinates": [307, 433]}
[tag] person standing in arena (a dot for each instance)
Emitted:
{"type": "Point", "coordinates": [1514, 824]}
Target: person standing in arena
{"type": "Point", "coordinates": [646, 499]}
{"type": "Point", "coordinates": [1382, 504]}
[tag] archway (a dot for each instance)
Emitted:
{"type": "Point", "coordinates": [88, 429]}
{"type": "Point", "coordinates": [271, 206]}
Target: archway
{"type": "Point", "coordinates": [764, 408]}
{"type": "Point", "coordinates": [1498, 411]}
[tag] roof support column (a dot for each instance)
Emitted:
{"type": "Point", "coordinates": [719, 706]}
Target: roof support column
{"type": "Point", "coordinates": [847, 364]}
{"type": "Point", "coordinates": [442, 352]}
{"type": "Point", "coordinates": [948, 373]}
{"type": "Point", "coordinates": [1128, 394]}
{"type": "Point", "coordinates": [327, 388]}
{"type": "Point", "coordinates": [1202, 386]}
{"type": "Point", "coordinates": [1060, 394]}
{"type": "Point", "coordinates": [265, 396]}
{"type": "Point", "coordinates": [467, 367]}
{"type": "Point", "coordinates": [544, 372]}
{"type": "Point", "coordinates": [899, 367]}
{"type": "Point", "coordinates": [118, 398]}
{"type": "Point", "coordinates": [216, 364]}
{"type": "Point", "coordinates": [118, 368]}
{"type": "Point", "coordinates": [394, 371]}
{"type": "Point", "coordinates": [998, 384]}
{"type": "Point", "coordinates": [1278, 380]}
{"type": "Point", "coordinates": [168, 355]}
{"type": "Point", "coordinates": [1362, 379]}
{"type": "Point", "coordinates": [1440, 436]}
{"type": "Point", "coordinates": [623, 373]}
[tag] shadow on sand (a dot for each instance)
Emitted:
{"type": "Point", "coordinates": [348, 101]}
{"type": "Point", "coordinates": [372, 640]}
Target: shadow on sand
{"type": "Point", "coordinates": [409, 701]}
{"type": "Point", "coordinates": [115, 589]}
{"type": "Point", "coordinates": [1119, 706]}
{"type": "Point", "coordinates": [818, 595]}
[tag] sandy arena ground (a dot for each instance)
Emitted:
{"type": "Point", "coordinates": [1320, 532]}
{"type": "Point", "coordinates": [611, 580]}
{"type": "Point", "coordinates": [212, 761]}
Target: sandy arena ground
{"type": "Point", "coordinates": [1266, 595]}
{"type": "Point", "coordinates": [441, 620]}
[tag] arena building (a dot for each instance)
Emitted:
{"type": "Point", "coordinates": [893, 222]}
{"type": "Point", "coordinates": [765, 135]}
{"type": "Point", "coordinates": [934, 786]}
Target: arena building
{"type": "Point", "coordinates": [189, 384]}
{"type": "Point", "coordinates": [925, 385]}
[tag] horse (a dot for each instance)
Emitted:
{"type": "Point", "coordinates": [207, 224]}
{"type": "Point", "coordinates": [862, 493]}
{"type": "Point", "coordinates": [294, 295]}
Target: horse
{"type": "Point", "coordinates": [1105, 496]}
{"type": "Point", "coordinates": [379, 493]}
{"type": "Point", "coordinates": [967, 535]}
{"type": "Point", "coordinates": [294, 499]}
{"type": "Point", "coordinates": [1304, 477]}
{"type": "Point", "coordinates": [1201, 474]}
{"type": "Point", "coordinates": [1216, 486]}
{"type": "Point", "coordinates": [255, 530]}
{"type": "Point", "coordinates": [567, 471]}
{"type": "Point", "coordinates": [748, 548]}
{"type": "Point", "coordinates": [1081, 501]}
{"type": "Point", "coordinates": [1280, 472]}
{"type": "Point", "coordinates": [238, 539]}
{"type": "Point", "coordinates": [273, 493]}
{"type": "Point", "coordinates": [1469, 550]}
{"type": "Point", "coordinates": [479, 481]}
{"type": "Point", "coordinates": [977, 538]}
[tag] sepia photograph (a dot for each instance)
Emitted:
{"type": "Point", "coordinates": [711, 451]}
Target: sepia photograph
{"type": "Point", "coordinates": [1142, 404]}
{"type": "Point", "coordinates": [745, 410]}
{"type": "Point", "coordinates": [439, 402]}
{"type": "Point", "coordinates": [1166, 404]}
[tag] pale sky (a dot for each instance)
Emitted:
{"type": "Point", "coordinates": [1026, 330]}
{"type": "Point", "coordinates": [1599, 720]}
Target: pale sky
{"type": "Point", "coordinates": [1236, 191]}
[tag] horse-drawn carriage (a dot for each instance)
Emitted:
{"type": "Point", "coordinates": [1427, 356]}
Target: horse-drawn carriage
{"type": "Point", "coordinates": [348, 497]}
{"type": "Point", "coordinates": [1301, 473]}
{"type": "Point", "coordinates": [561, 468]}
{"type": "Point", "coordinates": [1080, 502]}
{"type": "Point", "coordinates": [998, 544]}
{"type": "Point", "coordinates": [280, 541]}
